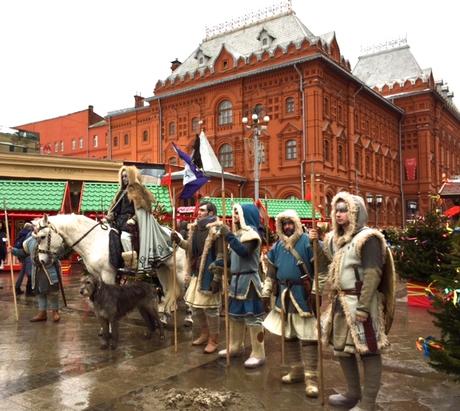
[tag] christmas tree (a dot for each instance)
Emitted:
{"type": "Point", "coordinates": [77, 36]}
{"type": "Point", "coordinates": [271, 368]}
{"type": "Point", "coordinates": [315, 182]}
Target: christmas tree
{"type": "Point", "coordinates": [423, 250]}
{"type": "Point", "coordinates": [447, 312]}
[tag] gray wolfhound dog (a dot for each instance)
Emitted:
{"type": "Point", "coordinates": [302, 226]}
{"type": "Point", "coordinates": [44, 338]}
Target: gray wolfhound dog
{"type": "Point", "coordinates": [112, 302]}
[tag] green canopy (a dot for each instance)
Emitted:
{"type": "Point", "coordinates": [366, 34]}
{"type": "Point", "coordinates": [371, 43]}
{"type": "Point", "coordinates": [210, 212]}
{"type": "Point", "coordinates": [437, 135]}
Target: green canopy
{"type": "Point", "coordinates": [97, 197]}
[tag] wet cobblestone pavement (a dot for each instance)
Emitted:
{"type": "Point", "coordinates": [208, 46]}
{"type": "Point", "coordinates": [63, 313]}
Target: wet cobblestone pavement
{"type": "Point", "coordinates": [59, 366]}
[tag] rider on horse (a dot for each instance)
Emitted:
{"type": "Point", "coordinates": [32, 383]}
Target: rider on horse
{"type": "Point", "coordinates": [130, 214]}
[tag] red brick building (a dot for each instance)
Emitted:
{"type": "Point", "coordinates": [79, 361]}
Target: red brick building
{"type": "Point", "coordinates": [76, 134]}
{"type": "Point", "coordinates": [385, 130]}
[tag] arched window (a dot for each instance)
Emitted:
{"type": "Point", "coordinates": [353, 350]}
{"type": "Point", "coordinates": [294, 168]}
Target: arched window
{"type": "Point", "coordinates": [115, 141]}
{"type": "Point", "coordinates": [291, 150]}
{"type": "Point", "coordinates": [145, 136]}
{"type": "Point", "coordinates": [226, 156]}
{"type": "Point", "coordinates": [81, 143]}
{"type": "Point", "coordinates": [290, 105]}
{"type": "Point", "coordinates": [126, 139]}
{"type": "Point", "coordinates": [172, 128]}
{"type": "Point", "coordinates": [172, 160]}
{"type": "Point", "coordinates": [225, 114]}
{"type": "Point", "coordinates": [95, 141]}
{"type": "Point", "coordinates": [195, 124]}
{"type": "Point", "coordinates": [74, 144]}
{"type": "Point", "coordinates": [62, 146]}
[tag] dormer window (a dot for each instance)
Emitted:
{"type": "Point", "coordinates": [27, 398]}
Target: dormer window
{"type": "Point", "coordinates": [265, 39]}
{"type": "Point", "coordinates": [201, 58]}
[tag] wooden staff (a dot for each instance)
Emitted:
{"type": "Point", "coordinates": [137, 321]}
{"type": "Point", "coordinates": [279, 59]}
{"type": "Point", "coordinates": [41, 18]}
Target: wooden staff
{"type": "Point", "coordinates": [11, 261]}
{"type": "Point", "coordinates": [225, 281]}
{"type": "Point", "coordinates": [173, 203]}
{"type": "Point", "coordinates": [283, 329]}
{"type": "Point", "coordinates": [316, 280]}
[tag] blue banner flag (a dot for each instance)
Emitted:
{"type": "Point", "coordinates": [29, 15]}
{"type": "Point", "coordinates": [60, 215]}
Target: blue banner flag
{"type": "Point", "coordinates": [193, 178]}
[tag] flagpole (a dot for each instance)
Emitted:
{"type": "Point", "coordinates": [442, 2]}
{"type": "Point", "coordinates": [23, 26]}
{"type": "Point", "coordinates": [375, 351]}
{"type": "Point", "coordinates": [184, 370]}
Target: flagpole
{"type": "Point", "coordinates": [11, 261]}
{"type": "Point", "coordinates": [225, 282]}
{"type": "Point", "coordinates": [316, 281]}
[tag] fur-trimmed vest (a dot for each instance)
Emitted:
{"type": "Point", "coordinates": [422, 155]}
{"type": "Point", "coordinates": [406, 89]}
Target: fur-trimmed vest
{"type": "Point", "coordinates": [208, 256]}
{"type": "Point", "coordinates": [342, 277]}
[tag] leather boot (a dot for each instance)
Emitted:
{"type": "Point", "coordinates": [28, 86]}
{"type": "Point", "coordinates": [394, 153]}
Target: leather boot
{"type": "Point", "coordinates": [257, 357]}
{"type": "Point", "coordinates": [203, 338]}
{"type": "Point", "coordinates": [350, 371]}
{"type": "Point", "coordinates": [237, 329]}
{"type": "Point", "coordinates": [41, 316]}
{"type": "Point", "coordinates": [294, 360]}
{"type": "Point", "coordinates": [56, 316]}
{"type": "Point", "coordinates": [204, 329]}
{"type": "Point", "coordinates": [211, 346]}
{"type": "Point", "coordinates": [372, 366]}
{"type": "Point", "coordinates": [310, 360]}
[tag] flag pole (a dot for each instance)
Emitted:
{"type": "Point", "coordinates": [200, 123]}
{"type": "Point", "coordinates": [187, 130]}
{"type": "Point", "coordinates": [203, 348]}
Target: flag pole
{"type": "Point", "coordinates": [173, 203]}
{"type": "Point", "coordinates": [316, 281]}
{"type": "Point", "coordinates": [225, 282]}
{"type": "Point", "coordinates": [11, 261]}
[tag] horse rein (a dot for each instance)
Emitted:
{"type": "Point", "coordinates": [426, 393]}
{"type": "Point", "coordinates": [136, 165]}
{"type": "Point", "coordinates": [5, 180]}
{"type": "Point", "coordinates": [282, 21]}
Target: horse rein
{"type": "Point", "coordinates": [65, 246]}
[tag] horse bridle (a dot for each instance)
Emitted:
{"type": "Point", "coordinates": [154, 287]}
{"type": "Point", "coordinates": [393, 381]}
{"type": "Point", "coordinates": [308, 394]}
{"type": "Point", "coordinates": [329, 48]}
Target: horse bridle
{"type": "Point", "coordinates": [66, 248]}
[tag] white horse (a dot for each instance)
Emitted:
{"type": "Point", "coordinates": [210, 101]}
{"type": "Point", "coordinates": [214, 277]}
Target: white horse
{"type": "Point", "coordinates": [90, 240]}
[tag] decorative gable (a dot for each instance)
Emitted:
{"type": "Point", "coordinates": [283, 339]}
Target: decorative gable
{"type": "Point", "coordinates": [289, 128]}
{"type": "Point", "coordinates": [224, 60]}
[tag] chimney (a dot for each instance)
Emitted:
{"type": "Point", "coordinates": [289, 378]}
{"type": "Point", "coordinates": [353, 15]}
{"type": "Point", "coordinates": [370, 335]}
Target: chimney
{"type": "Point", "coordinates": [174, 64]}
{"type": "Point", "coordinates": [138, 101]}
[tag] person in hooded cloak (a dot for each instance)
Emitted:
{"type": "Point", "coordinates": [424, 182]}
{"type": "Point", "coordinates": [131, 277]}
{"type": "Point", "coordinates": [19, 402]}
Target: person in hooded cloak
{"type": "Point", "coordinates": [362, 299]}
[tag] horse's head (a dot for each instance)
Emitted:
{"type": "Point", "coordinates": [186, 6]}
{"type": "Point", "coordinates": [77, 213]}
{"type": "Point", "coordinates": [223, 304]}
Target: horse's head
{"type": "Point", "coordinates": [50, 243]}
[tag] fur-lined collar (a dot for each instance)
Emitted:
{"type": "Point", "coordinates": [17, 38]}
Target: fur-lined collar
{"type": "Point", "coordinates": [136, 191]}
{"type": "Point", "coordinates": [289, 242]}
{"type": "Point", "coordinates": [248, 222]}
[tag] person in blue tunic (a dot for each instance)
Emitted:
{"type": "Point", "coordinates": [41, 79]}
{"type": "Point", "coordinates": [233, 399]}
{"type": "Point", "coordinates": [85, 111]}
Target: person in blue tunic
{"type": "Point", "coordinates": [290, 278]}
{"type": "Point", "coordinates": [45, 280]}
{"type": "Point", "coordinates": [245, 304]}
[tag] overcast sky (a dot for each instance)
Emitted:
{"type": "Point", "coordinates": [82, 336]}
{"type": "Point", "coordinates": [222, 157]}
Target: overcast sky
{"type": "Point", "coordinates": [59, 56]}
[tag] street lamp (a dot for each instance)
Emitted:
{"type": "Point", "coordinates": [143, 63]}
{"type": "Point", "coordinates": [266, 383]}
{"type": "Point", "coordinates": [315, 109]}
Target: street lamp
{"type": "Point", "coordinates": [377, 201]}
{"type": "Point", "coordinates": [256, 125]}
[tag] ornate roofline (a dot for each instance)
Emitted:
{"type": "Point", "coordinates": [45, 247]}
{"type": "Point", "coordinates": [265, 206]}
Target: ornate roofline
{"type": "Point", "coordinates": [248, 19]}
{"type": "Point", "coordinates": [263, 70]}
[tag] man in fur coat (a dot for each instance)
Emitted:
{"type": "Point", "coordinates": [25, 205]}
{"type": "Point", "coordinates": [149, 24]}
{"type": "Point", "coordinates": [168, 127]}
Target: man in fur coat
{"type": "Point", "coordinates": [132, 206]}
{"type": "Point", "coordinates": [290, 278]}
{"type": "Point", "coordinates": [245, 303]}
{"type": "Point", "coordinates": [203, 292]}
{"type": "Point", "coordinates": [362, 299]}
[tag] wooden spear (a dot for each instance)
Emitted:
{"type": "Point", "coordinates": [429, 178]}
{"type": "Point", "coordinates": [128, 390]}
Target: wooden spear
{"type": "Point", "coordinates": [10, 253]}
{"type": "Point", "coordinates": [317, 295]}
{"type": "Point", "coordinates": [225, 280]}
{"type": "Point", "coordinates": [173, 203]}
